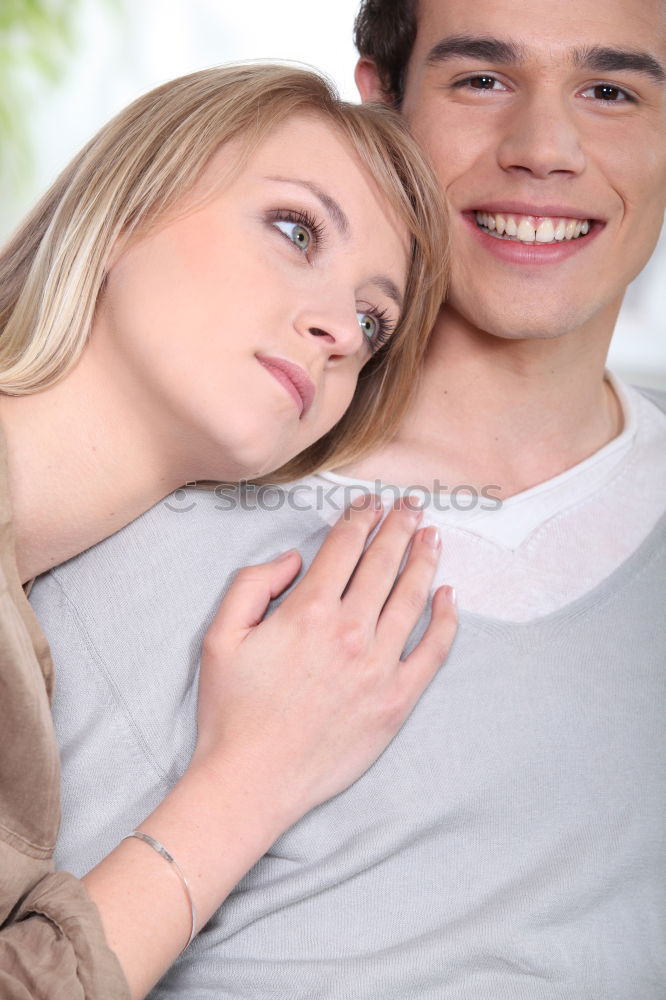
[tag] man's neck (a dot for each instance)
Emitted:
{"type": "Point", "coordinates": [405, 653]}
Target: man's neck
{"type": "Point", "coordinates": [496, 412]}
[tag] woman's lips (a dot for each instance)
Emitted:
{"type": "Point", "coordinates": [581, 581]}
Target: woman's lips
{"type": "Point", "coordinates": [295, 380]}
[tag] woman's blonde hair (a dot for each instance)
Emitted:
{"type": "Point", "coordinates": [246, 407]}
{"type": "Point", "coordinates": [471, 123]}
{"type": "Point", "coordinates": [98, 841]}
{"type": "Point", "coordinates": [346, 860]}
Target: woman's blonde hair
{"type": "Point", "coordinates": [152, 154]}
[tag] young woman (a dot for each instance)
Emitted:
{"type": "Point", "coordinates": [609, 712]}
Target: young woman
{"type": "Point", "coordinates": [195, 299]}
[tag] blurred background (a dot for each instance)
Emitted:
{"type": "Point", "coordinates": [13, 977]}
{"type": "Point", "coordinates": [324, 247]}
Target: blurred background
{"type": "Point", "coordinates": [66, 66]}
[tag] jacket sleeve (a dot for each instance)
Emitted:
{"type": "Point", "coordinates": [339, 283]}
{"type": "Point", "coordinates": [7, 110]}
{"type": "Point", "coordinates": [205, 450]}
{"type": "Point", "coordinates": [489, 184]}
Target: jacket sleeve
{"type": "Point", "coordinates": [53, 947]}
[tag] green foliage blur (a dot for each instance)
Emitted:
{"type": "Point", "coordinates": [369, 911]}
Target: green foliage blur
{"type": "Point", "coordinates": [36, 38]}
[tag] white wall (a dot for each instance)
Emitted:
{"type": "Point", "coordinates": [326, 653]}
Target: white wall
{"type": "Point", "coordinates": [143, 43]}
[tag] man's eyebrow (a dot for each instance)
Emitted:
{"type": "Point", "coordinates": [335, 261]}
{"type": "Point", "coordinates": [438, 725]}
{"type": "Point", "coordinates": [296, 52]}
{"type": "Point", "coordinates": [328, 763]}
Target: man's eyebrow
{"type": "Point", "coordinates": [483, 48]}
{"type": "Point", "coordinates": [388, 287]}
{"type": "Point", "coordinates": [333, 208]}
{"type": "Point", "coordinates": [610, 60]}
{"type": "Point", "coordinates": [494, 50]}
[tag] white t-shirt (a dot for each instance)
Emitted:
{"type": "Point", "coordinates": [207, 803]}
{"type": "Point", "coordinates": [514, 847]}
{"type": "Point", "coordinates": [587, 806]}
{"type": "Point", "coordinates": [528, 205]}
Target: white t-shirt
{"type": "Point", "coordinates": [542, 548]}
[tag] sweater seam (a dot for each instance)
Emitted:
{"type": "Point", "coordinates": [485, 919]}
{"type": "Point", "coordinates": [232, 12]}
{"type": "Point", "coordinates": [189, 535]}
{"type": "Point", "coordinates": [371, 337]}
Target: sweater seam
{"type": "Point", "coordinates": [118, 699]}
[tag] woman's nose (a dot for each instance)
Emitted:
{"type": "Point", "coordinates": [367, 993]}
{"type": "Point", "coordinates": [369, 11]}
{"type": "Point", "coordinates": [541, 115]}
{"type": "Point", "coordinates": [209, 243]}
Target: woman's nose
{"type": "Point", "coordinates": [336, 329]}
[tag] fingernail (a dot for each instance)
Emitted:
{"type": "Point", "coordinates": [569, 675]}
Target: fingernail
{"type": "Point", "coordinates": [451, 595]}
{"type": "Point", "coordinates": [285, 555]}
{"type": "Point", "coordinates": [413, 504]}
{"type": "Point", "coordinates": [367, 501]}
{"type": "Point", "coordinates": [432, 538]}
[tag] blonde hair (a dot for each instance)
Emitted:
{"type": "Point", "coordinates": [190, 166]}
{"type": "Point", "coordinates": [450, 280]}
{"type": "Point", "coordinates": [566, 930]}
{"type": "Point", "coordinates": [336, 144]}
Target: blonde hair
{"type": "Point", "coordinates": [152, 154]}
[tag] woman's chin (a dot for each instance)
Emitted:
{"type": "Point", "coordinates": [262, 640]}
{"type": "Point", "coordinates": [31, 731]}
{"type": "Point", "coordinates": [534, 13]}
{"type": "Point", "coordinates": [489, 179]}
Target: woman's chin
{"type": "Point", "coordinates": [246, 464]}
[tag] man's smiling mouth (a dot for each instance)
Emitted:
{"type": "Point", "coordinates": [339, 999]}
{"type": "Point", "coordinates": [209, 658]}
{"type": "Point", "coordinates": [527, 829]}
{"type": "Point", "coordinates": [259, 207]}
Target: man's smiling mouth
{"type": "Point", "coordinates": [530, 229]}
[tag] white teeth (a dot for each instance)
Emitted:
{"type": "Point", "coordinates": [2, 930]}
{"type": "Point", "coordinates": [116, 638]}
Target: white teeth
{"type": "Point", "coordinates": [528, 229]}
{"type": "Point", "coordinates": [546, 232]}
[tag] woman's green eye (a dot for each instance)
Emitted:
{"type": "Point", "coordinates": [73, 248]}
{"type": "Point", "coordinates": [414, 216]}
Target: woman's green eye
{"type": "Point", "coordinates": [369, 325]}
{"type": "Point", "coordinates": [295, 232]}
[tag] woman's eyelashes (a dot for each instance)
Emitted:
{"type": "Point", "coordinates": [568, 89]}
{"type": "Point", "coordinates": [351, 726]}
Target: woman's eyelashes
{"type": "Point", "coordinates": [376, 327]}
{"type": "Point", "coordinates": [300, 228]}
{"type": "Point", "coordinates": [308, 235]}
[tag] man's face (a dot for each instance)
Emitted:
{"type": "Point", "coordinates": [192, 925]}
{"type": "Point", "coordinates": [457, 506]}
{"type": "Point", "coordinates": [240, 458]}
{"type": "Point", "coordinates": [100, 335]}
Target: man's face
{"type": "Point", "coordinates": [546, 123]}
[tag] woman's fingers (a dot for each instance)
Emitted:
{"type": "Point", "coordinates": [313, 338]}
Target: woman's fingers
{"type": "Point", "coordinates": [419, 668]}
{"type": "Point", "coordinates": [365, 578]}
{"type": "Point", "coordinates": [248, 597]}
{"type": "Point", "coordinates": [336, 560]}
{"type": "Point", "coordinates": [310, 696]}
{"type": "Point", "coordinates": [378, 568]}
{"type": "Point", "coordinates": [409, 596]}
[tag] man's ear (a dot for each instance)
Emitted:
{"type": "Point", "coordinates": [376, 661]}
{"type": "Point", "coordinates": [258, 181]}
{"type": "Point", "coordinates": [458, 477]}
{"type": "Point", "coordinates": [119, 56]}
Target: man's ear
{"type": "Point", "coordinates": [369, 82]}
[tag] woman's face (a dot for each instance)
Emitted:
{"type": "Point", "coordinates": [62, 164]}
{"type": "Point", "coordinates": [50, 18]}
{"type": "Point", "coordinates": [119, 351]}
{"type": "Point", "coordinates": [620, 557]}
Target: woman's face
{"type": "Point", "coordinates": [243, 320]}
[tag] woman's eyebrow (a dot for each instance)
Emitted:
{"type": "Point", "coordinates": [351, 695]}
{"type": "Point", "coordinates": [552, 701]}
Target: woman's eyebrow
{"type": "Point", "coordinates": [333, 207]}
{"type": "Point", "coordinates": [381, 281]}
{"type": "Point", "coordinates": [388, 287]}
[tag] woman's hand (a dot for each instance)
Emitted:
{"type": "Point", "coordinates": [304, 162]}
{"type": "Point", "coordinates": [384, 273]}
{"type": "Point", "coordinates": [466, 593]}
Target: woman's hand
{"type": "Point", "coordinates": [312, 695]}
{"type": "Point", "coordinates": [291, 711]}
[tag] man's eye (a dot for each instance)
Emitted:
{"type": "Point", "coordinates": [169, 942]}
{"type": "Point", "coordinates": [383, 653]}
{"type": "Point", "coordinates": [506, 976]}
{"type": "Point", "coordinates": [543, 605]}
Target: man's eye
{"type": "Point", "coordinates": [607, 92]}
{"type": "Point", "coordinates": [299, 234]}
{"type": "Point", "coordinates": [481, 82]}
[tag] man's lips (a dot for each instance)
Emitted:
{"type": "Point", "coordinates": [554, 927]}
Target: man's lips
{"type": "Point", "coordinates": [295, 380]}
{"type": "Point", "coordinates": [533, 225]}
{"type": "Point", "coordinates": [526, 233]}
{"type": "Point", "coordinates": [545, 210]}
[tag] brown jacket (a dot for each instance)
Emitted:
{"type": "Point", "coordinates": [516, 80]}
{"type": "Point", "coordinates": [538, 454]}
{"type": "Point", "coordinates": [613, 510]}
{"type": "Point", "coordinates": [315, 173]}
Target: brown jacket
{"type": "Point", "coordinates": [51, 939]}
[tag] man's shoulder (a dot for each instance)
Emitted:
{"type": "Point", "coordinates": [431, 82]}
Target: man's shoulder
{"type": "Point", "coordinates": [194, 538]}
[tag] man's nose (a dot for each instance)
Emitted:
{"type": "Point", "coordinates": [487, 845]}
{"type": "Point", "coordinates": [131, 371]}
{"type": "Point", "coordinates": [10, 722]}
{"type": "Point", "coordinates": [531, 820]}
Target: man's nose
{"type": "Point", "coordinates": [542, 139]}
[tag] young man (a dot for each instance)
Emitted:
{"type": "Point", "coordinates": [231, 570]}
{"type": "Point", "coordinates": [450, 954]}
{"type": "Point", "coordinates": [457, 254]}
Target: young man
{"type": "Point", "coordinates": [510, 841]}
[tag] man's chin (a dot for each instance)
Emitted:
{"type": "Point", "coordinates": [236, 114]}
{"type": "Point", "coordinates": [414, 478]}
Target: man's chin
{"type": "Point", "coordinates": [514, 322]}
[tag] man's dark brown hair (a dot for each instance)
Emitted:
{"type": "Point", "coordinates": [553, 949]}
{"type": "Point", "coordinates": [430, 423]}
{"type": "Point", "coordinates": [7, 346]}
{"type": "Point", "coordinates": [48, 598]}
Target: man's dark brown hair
{"type": "Point", "coordinates": [385, 31]}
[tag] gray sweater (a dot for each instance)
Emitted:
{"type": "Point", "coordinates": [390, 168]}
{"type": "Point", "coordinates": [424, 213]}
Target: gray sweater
{"type": "Point", "coordinates": [509, 844]}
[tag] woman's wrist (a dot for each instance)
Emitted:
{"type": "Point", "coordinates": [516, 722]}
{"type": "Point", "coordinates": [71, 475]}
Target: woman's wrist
{"type": "Point", "coordinates": [216, 823]}
{"type": "Point", "coordinates": [161, 850]}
